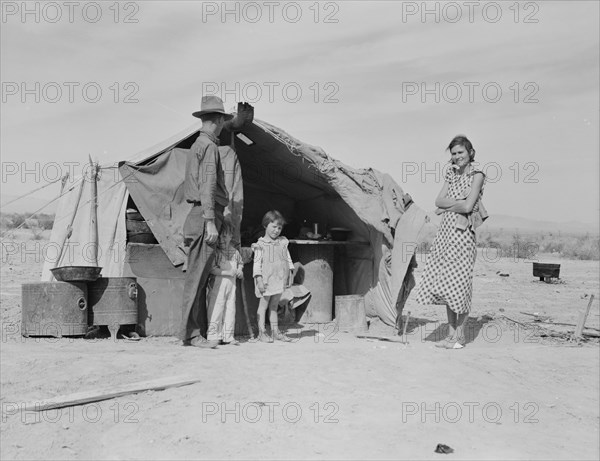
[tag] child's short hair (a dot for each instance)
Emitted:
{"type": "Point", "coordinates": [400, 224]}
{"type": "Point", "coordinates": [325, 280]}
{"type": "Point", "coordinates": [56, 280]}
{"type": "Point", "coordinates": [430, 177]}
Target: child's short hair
{"type": "Point", "coordinates": [226, 228]}
{"type": "Point", "coordinates": [273, 216]}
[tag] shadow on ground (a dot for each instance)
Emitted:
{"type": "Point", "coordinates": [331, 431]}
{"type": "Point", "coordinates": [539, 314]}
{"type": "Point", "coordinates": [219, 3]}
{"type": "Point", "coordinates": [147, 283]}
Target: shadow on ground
{"type": "Point", "coordinates": [472, 329]}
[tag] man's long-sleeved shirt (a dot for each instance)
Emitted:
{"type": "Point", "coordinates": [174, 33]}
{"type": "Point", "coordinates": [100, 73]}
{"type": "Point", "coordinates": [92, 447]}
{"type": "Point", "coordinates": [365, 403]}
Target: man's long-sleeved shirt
{"type": "Point", "coordinates": [233, 182]}
{"type": "Point", "coordinates": [204, 177]}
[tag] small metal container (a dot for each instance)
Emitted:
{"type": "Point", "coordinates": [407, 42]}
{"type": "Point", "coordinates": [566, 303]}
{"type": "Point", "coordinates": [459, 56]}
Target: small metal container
{"type": "Point", "coordinates": [350, 313]}
{"type": "Point", "coordinates": [54, 309]}
{"type": "Point", "coordinates": [113, 302]}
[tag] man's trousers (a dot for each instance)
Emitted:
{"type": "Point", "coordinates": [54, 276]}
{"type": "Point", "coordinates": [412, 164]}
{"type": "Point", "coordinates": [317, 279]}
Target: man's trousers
{"type": "Point", "coordinates": [200, 261]}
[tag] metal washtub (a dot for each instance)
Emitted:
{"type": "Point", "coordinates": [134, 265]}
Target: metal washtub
{"type": "Point", "coordinates": [113, 302]}
{"type": "Point", "coordinates": [54, 309]}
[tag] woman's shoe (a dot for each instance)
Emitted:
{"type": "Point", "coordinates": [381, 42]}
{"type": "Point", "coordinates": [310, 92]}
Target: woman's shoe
{"type": "Point", "coordinates": [446, 343]}
{"type": "Point", "coordinates": [452, 344]}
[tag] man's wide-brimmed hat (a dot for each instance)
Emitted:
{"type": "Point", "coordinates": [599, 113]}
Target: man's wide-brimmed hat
{"type": "Point", "coordinates": [212, 105]}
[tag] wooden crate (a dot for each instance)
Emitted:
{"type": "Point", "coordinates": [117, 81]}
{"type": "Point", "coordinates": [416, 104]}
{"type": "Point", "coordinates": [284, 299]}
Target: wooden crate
{"type": "Point", "coordinates": [160, 289]}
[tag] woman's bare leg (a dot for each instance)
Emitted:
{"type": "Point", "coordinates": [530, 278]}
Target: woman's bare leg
{"type": "Point", "coordinates": [461, 321]}
{"type": "Point", "coordinates": [450, 339]}
{"type": "Point", "coordinates": [452, 318]}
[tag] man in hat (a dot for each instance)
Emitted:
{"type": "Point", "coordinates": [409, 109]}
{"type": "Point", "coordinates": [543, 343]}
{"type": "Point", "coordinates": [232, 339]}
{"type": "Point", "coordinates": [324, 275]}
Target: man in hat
{"type": "Point", "coordinates": [205, 189]}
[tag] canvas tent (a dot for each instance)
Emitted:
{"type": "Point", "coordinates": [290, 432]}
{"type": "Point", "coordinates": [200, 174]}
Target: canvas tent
{"type": "Point", "coordinates": [279, 172]}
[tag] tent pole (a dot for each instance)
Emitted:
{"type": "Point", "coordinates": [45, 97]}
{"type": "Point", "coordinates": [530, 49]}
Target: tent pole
{"type": "Point", "coordinates": [94, 212]}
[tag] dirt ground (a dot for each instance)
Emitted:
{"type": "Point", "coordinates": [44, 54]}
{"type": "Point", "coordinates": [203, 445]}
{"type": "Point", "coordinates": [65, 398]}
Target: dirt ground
{"type": "Point", "coordinates": [510, 394]}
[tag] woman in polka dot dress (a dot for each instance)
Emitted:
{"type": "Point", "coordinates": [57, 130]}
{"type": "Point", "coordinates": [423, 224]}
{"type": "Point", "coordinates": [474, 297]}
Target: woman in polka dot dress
{"type": "Point", "coordinates": [448, 275]}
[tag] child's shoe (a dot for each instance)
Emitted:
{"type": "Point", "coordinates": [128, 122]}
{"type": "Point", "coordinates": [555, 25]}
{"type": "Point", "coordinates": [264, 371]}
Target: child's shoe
{"type": "Point", "coordinates": [282, 337]}
{"type": "Point", "coordinates": [265, 338]}
{"type": "Point", "coordinates": [202, 343]}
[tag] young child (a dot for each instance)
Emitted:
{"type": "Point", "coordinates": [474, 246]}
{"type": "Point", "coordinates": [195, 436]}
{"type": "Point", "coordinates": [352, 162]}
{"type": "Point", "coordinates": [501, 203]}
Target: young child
{"type": "Point", "coordinates": [272, 273]}
{"type": "Point", "coordinates": [221, 301]}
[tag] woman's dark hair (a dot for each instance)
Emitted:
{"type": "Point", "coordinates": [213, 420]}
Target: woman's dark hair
{"type": "Point", "coordinates": [461, 140]}
{"type": "Point", "coordinates": [273, 216]}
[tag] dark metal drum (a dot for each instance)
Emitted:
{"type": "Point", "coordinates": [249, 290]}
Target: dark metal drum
{"type": "Point", "coordinates": [546, 272]}
{"type": "Point", "coordinates": [113, 302]}
{"type": "Point", "coordinates": [54, 309]}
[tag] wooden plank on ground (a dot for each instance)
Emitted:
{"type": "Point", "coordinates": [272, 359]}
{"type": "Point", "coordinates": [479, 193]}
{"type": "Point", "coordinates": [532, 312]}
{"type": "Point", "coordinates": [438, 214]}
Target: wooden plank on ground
{"type": "Point", "coordinates": [591, 333]}
{"type": "Point", "coordinates": [393, 339]}
{"type": "Point", "coordinates": [583, 315]}
{"type": "Point", "coordinates": [96, 395]}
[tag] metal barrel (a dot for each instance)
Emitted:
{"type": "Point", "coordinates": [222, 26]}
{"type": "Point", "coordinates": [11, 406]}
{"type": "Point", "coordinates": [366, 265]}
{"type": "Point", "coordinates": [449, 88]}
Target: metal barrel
{"type": "Point", "coordinates": [546, 270]}
{"type": "Point", "coordinates": [113, 301]}
{"type": "Point", "coordinates": [54, 309]}
{"type": "Point", "coordinates": [318, 279]}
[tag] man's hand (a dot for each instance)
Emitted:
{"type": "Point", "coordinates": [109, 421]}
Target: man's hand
{"type": "Point", "coordinates": [239, 274]}
{"type": "Point", "coordinates": [439, 211]}
{"type": "Point", "coordinates": [260, 285]}
{"type": "Point", "coordinates": [245, 114]}
{"type": "Point", "coordinates": [212, 234]}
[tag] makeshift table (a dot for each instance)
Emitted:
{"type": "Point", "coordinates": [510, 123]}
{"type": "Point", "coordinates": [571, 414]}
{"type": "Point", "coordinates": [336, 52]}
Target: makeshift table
{"type": "Point", "coordinates": [317, 258]}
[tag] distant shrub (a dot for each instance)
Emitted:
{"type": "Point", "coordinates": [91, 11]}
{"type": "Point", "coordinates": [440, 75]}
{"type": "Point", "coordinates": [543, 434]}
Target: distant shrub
{"type": "Point", "coordinates": [583, 247]}
{"type": "Point", "coordinates": [45, 221]}
{"type": "Point", "coordinates": [17, 220]}
{"type": "Point", "coordinates": [527, 246]}
{"type": "Point", "coordinates": [37, 233]}
{"type": "Point", "coordinates": [22, 220]}
{"type": "Point", "coordinates": [515, 244]}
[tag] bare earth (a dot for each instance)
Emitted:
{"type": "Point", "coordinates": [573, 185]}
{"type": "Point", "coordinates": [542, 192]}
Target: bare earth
{"type": "Point", "coordinates": [510, 394]}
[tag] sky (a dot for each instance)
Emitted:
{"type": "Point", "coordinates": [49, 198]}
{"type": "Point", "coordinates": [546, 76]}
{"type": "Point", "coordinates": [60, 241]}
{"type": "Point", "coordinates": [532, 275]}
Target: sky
{"type": "Point", "coordinates": [382, 85]}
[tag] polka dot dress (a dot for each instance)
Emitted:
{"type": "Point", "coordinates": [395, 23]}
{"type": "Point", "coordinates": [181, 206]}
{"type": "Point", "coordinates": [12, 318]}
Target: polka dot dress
{"type": "Point", "coordinates": [448, 275]}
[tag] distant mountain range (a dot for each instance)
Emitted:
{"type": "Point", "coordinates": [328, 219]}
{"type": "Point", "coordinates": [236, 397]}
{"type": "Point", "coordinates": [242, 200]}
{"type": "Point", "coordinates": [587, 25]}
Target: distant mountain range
{"type": "Point", "coordinates": [495, 222]}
